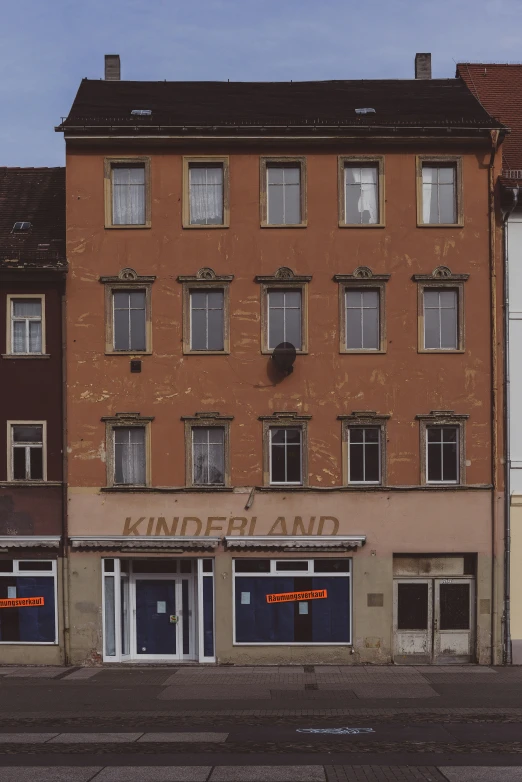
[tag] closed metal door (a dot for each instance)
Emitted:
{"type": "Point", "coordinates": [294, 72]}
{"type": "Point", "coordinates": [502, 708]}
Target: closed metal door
{"type": "Point", "coordinates": [412, 620]}
{"type": "Point", "coordinates": [453, 620]}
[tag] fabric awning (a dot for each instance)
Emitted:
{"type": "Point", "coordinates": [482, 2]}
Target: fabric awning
{"type": "Point", "coordinates": [291, 543]}
{"type": "Point", "coordinates": [30, 541]}
{"type": "Point", "coordinates": [126, 543]}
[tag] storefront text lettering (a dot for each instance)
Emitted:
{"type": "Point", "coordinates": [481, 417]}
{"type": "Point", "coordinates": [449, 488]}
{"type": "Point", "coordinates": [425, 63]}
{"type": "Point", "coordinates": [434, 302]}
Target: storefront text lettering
{"type": "Point", "coordinates": [214, 526]}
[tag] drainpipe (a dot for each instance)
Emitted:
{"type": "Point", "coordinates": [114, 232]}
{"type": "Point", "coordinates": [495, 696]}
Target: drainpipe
{"type": "Point", "coordinates": [494, 135]}
{"type": "Point", "coordinates": [65, 527]}
{"type": "Point", "coordinates": [507, 425]}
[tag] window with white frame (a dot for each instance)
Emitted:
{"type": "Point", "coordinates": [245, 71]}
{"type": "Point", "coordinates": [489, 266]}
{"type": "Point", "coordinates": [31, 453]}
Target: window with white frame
{"type": "Point", "coordinates": [27, 451]}
{"type": "Point", "coordinates": [206, 193]}
{"type": "Point", "coordinates": [439, 193]}
{"type": "Point", "coordinates": [26, 325]}
{"type": "Point", "coordinates": [207, 319]}
{"type": "Point", "coordinates": [208, 455]}
{"type": "Point", "coordinates": [128, 194]}
{"type": "Point", "coordinates": [442, 454]}
{"type": "Point", "coordinates": [361, 186]}
{"type": "Point", "coordinates": [292, 601]}
{"type": "Point", "coordinates": [283, 194]}
{"type": "Point", "coordinates": [284, 318]}
{"type": "Point", "coordinates": [28, 602]}
{"type": "Point", "coordinates": [362, 319]}
{"type": "Point", "coordinates": [130, 455]}
{"type": "Point", "coordinates": [286, 455]}
{"type": "Point", "coordinates": [129, 320]}
{"type": "Point", "coordinates": [440, 319]}
{"type": "Point", "coordinates": [364, 461]}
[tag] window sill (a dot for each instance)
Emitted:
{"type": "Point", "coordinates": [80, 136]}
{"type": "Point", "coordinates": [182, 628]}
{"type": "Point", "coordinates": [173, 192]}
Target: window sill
{"type": "Point", "coordinates": [362, 352]}
{"type": "Point", "coordinates": [27, 484]}
{"type": "Point", "coordinates": [361, 225]}
{"type": "Point", "coordinates": [269, 352]}
{"type": "Point", "coordinates": [206, 352]}
{"type": "Point", "coordinates": [166, 489]}
{"type": "Point", "coordinates": [443, 351]}
{"type": "Point", "coordinates": [127, 353]}
{"type": "Point", "coordinates": [284, 225]}
{"type": "Point", "coordinates": [198, 227]}
{"type": "Point", "coordinates": [128, 227]}
{"type": "Point", "coordinates": [26, 355]}
{"type": "Point", "coordinates": [440, 225]}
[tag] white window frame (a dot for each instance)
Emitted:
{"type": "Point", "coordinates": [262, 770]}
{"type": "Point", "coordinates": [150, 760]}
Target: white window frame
{"type": "Point", "coordinates": [362, 290]}
{"type": "Point", "coordinates": [445, 289]}
{"type": "Point", "coordinates": [284, 291]}
{"type": "Point", "coordinates": [273, 572]}
{"type": "Point", "coordinates": [10, 452]}
{"type": "Point", "coordinates": [364, 427]}
{"type": "Point", "coordinates": [31, 574]}
{"type": "Point", "coordinates": [207, 309]}
{"type": "Point", "coordinates": [459, 445]}
{"type": "Point", "coordinates": [146, 449]}
{"type": "Point", "coordinates": [294, 166]}
{"type": "Point", "coordinates": [11, 298]}
{"type": "Point", "coordinates": [146, 314]}
{"type": "Point", "coordinates": [208, 444]}
{"type": "Point", "coordinates": [301, 443]}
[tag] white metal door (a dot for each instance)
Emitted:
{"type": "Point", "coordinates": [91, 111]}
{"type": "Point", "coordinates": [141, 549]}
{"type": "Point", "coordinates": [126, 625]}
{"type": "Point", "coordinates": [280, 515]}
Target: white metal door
{"type": "Point", "coordinates": [453, 620]}
{"type": "Point", "coordinates": [412, 620]}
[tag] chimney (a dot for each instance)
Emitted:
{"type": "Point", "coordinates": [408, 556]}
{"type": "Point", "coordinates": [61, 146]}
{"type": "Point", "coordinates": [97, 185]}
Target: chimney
{"type": "Point", "coordinates": [422, 66]}
{"type": "Point", "coordinates": [112, 67]}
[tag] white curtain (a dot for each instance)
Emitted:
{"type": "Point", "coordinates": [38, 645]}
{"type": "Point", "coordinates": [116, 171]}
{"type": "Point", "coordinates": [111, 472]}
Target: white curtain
{"type": "Point", "coordinates": [366, 178]}
{"type": "Point", "coordinates": [128, 196]}
{"type": "Point", "coordinates": [27, 326]}
{"type": "Point", "coordinates": [206, 195]}
{"type": "Point", "coordinates": [428, 190]}
{"type": "Point", "coordinates": [130, 455]}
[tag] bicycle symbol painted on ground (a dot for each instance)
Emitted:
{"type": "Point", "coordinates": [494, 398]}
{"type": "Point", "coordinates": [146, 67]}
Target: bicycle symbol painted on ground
{"type": "Point", "coordinates": [336, 731]}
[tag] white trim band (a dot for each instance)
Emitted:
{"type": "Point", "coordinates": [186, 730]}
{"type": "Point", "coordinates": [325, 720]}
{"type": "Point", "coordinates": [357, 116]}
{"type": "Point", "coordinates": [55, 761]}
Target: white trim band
{"type": "Point", "coordinates": [305, 542]}
{"type": "Point", "coordinates": [140, 542]}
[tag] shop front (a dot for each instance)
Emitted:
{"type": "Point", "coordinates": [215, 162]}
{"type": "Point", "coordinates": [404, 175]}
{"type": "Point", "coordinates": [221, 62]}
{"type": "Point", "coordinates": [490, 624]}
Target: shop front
{"type": "Point", "coordinates": [305, 579]}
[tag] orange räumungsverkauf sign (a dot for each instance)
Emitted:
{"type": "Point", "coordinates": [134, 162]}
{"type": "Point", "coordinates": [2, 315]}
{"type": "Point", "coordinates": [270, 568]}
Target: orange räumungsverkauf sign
{"type": "Point", "coordinates": [291, 597]}
{"type": "Point", "coordinates": [21, 602]}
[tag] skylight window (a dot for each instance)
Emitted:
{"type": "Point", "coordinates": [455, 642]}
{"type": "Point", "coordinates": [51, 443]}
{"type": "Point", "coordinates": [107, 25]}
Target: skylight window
{"type": "Point", "coordinates": [141, 112]}
{"type": "Point", "coordinates": [21, 227]}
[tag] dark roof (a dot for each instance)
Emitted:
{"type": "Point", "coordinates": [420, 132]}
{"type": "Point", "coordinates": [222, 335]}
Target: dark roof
{"type": "Point", "coordinates": [37, 196]}
{"type": "Point", "coordinates": [499, 89]}
{"type": "Point", "coordinates": [400, 104]}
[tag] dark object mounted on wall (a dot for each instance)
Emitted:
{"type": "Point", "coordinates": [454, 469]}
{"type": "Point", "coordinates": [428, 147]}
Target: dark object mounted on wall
{"type": "Point", "coordinates": [135, 365]}
{"type": "Point", "coordinates": [283, 357]}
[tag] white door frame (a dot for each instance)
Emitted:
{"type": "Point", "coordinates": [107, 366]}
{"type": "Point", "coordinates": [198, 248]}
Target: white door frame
{"type": "Point", "coordinates": [425, 634]}
{"type": "Point", "coordinates": [438, 655]}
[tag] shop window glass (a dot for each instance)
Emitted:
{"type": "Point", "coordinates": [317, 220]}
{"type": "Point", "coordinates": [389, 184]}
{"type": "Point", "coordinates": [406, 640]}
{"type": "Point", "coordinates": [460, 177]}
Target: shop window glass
{"type": "Point", "coordinates": [28, 624]}
{"type": "Point", "coordinates": [110, 617]}
{"type": "Point", "coordinates": [208, 616]}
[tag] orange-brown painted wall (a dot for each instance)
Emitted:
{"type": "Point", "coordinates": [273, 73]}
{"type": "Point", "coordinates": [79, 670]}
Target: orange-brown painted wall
{"type": "Point", "coordinates": [402, 382]}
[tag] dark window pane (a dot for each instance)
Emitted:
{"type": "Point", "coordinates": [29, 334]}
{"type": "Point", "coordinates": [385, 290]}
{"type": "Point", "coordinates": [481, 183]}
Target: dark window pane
{"type": "Point", "coordinates": [412, 607]}
{"type": "Point", "coordinates": [6, 566]}
{"type": "Point", "coordinates": [216, 470]}
{"type": "Point", "coordinates": [434, 462]}
{"type": "Point", "coordinates": [331, 565]}
{"type": "Point", "coordinates": [276, 333]}
{"type": "Point", "coordinates": [185, 615]}
{"type": "Point", "coordinates": [372, 435]}
{"type": "Point", "coordinates": [356, 462]}
{"type": "Point", "coordinates": [354, 338]}
{"type": "Point", "coordinates": [36, 461]}
{"type": "Point", "coordinates": [449, 328]}
{"type": "Point", "coordinates": [35, 564]}
{"type": "Point", "coordinates": [454, 607]}
{"type": "Point", "coordinates": [198, 332]}
{"type": "Point", "coordinates": [431, 329]}
{"type": "Point", "coordinates": [434, 434]}
{"type": "Point", "coordinates": [447, 203]}
{"type": "Point", "coordinates": [137, 299]}
{"type": "Point", "coordinates": [356, 435]}
{"type": "Point", "coordinates": [215, 299]}
{"type": "Point", "coordinates": [121, 300]}
{"type": "Point", "coordinates": [294, 463]}
{"type": "Point", "coordinates": [121, 330]}
{"type": "Point", "coordinates": [293, 327]}
{"type": "Point", "coordinates": [278, 472]}
{"type": "Point", "coordinates": [276, 204]}
{"type": "Point", "coordinates": [371, 329]}
{"type": "Point", "coordinates": [208, 616]}
{"type": "Point", "coordinates": [252, 565]}
{"type": "Point", "coordinates": [27, 434]}
{"type": "Point", "coordinates": [293, 435]}
{"type": "Point", "coordinates": [215, 330]}
{"type": "Point", "coordinates": [108, 565]}
{"type": "Point", "coordinates": [29, 624]}
{"type": "Point", "coordinates": [449, 434]}
{"type": "Point", "coordinates": [449, 456]}
{"type": "Point", "coordinates": [276, 298]}
{"type": "Point", "coordinates": [372, 472]}
{"type": "Point", "coordinates": [19, 464]}
{"type": "Point", "coordinates": [137, 329]}
{"type": "Point", "coordinates": [292, 205]}
{"type": "Point", "coordinates": [278, 435]}
{"type": "Point", "coordinates": [207, 566]}
{"type": "Point", "coordinates": [289, 564]}
{"type": "Point", "coordinates": [198, 299]}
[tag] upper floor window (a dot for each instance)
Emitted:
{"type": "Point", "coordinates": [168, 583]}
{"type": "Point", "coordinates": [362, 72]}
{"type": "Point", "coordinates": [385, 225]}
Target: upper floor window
{"type": "Point", "coordinates": [127, 192]}
{"type": "Point", "coordinates": [129, 455]}
{"type": "Point", "coordinates": [364, 461]}
{"type": "Point", "coordinates": [283, 182]}
{"type": "Point", "coordinates": [27, 451]}
{"type": "Point", "coordinates": [284, 318]}
{"type": "Point", "coordinates": [207, 319]}
{"type": "Point", "coordinates": [440, 319]}
{"type": "Point", "coordinates": [442, 454]}
{"type": "Point", "coordinates": [361, 183]}
{"type": "Point", "coordinates": [26, 335]}
{"type": "Point", "coordinates": [208, 455]}
{"type": "Point", "coordinates": [286, 458]}
{"type": "Point", "coordinates": [439, 196]}
{"type": "Point", "coordinates": [362, 319]}
{"type": "Point", "coordinates": [129, 312]}
{"type": "Point", "coordinates": [206, 196]}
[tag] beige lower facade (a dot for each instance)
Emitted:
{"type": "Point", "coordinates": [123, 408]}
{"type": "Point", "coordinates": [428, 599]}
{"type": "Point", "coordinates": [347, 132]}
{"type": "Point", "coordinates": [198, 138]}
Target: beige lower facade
{"type": "Point", "coordinates": [271, 577]}
{"type": "Point", "coordinates": [516, 579]}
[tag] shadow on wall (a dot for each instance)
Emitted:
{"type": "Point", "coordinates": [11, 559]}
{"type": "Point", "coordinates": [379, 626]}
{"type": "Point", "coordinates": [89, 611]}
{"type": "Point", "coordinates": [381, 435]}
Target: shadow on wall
{"type": "Point", "coordinates": [14, 522]}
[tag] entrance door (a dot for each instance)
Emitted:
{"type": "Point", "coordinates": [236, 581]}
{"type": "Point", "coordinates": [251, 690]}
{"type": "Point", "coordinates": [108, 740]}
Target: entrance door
{"type": "Point", "coordinates": [156, 618]}
{"type": "Point", "coordinates": [413, 611]}
{"type": "Point", "coordinates": [454, 620]}
{"type": "Point", "coordinates": [433, 620]}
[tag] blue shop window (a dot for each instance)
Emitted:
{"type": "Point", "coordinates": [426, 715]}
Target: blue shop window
{"type": "Point", "coordinates": [326, 620]}
{"type": "Point", "coordinates": [35, 624]}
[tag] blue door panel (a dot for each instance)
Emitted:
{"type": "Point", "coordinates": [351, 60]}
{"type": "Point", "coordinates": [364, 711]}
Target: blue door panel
{"type": "Point", "coordinates": [154, 632]}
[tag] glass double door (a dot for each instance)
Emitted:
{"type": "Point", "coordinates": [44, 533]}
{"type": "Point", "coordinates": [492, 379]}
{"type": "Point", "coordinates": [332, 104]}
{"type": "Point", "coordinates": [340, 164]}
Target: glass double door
{"type": "Point", "coordinates": [433, 620]}
{"type": "Point", "coordinates": [162, 618]}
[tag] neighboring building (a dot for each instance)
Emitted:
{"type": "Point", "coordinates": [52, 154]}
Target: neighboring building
{"type": "Point", "coordinates": [32, 286]}
{"type": "Point", "coordinates": [221, 507]}
{"type": "Point", "coordinates": [498, 87]}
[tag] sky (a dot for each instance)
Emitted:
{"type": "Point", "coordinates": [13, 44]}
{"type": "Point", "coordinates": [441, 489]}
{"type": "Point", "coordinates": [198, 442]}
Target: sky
{"type": "Point", "coordinates": [48, 46]}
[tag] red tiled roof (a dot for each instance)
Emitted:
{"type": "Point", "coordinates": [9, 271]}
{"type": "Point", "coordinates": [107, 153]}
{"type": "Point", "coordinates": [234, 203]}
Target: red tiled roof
{"type": "Point", "coordinates": [499, 89]}
{"type": "Point", "coordinates": [37, 196]}
{"type": "Point", "coordinates": [234, 106]}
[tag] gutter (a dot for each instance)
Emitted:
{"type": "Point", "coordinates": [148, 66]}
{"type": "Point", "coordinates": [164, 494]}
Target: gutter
{"type": "Point", "coordinates": [508, 657]}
